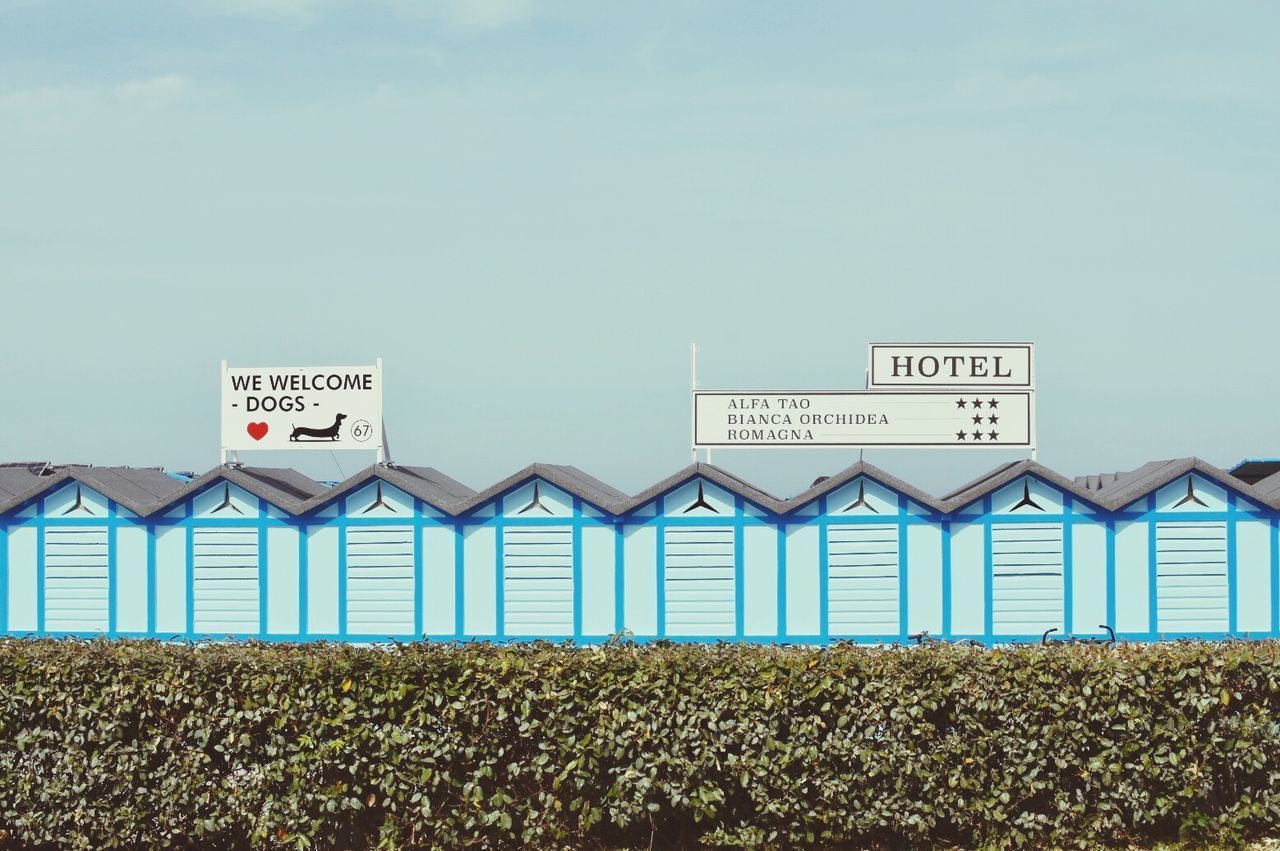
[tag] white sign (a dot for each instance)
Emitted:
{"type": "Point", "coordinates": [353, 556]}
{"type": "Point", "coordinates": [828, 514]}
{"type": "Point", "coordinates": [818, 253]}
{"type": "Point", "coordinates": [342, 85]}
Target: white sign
{"type": "Point", "coordinates": [863, 418]}
{"type": "Point", "coordinates": [908, 365]}
{"type": "Point", "coordinates": [315, 407]}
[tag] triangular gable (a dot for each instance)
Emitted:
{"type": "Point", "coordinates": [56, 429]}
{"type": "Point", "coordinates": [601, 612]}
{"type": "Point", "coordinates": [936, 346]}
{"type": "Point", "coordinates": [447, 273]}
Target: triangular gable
{"type": "Point", "coordinates": [568, 480]}
{"type": "Point", "coordinates": [75, 500]}
{"type": "Point", "coordinates": [1021, 475]}
{"type": "Point", "coordinates": [879, 493]}
{"type": "Point", "coordinates": [222, 500]}
{"type": "Point", "coordinates": [378, 499]}
{"type": "Point", "coordinates": [1168, 481]}
{"type": "Point", "coordinates": [682, 487]}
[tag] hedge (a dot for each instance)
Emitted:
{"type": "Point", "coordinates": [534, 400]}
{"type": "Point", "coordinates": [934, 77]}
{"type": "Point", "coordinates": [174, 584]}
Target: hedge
{"type": "Point", "coordinates": [140, 744]}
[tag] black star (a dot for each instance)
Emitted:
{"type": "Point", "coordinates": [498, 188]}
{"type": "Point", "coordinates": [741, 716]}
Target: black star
{"type": "Point", "coordinates": [977, 435]}
{"type": "Point", "coordinates": [960, 435]}
{"type": "Point", "coordinates": [993, 419]}
{"type": "Point", "coordinates": [977, 420]}
{"type": "Point", "coordinates": [993, 435]}
{"type": "Point", "coordinates": [959, 403]}
{"type": "Point", "coordinates": [977, 403]}
{"type": "Point", "coordinates": [993, 404]}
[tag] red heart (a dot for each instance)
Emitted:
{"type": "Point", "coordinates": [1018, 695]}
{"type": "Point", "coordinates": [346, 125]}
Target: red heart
{"type": "Point", "coordinates": [257, 430]}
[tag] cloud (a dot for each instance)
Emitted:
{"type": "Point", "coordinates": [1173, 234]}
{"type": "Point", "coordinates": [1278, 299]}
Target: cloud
{"type": "Point", "coordinates": [153, 90]}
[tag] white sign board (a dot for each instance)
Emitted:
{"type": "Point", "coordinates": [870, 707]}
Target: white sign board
{"type": "Point", "coordinates": [863, 418]}
{"type": "Point", "coordinates": [959, 365]}
{"type": "Point", "coordinates": [315, 407]}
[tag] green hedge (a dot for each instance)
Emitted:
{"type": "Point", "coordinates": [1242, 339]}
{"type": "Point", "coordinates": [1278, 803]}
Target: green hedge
{"type": "Point", "coordinates": [142, 744]}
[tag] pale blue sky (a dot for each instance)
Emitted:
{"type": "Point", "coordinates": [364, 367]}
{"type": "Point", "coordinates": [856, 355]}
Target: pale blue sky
{"type": "Point", "coordinates": [529, 209]}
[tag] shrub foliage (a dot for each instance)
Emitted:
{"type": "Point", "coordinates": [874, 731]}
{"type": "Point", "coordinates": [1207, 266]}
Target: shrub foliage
{"type": "Point", "coordinates": [147, 745]}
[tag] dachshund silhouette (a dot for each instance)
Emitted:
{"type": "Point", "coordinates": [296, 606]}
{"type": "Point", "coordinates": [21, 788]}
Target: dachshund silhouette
{"type": "Point", "coordinates": [330, 433]}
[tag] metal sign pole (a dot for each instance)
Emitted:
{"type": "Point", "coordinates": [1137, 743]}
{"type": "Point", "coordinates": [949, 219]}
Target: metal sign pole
{"type": "Point", "coordinates": [222, 389]}
{"type": "Point", "coordinates": [381, 457]}
{"type": "Point", "coordinates": [693, 386]}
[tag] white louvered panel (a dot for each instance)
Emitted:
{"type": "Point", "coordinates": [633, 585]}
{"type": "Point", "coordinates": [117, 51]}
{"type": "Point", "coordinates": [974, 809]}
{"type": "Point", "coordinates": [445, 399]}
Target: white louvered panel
{"type": "Point", "coordinates": [862, 580]}
{"type": "Point", "coordinates": [1026, 578]}
{"type": "Point", "coordinates": [75, 579]}
{"type": "Point", "coordinates": [226, 587]}
{"type": "Point", "coordinates": [1191, 577]}
{"type": "Point", "coordinates": [380, 586]}
{"type": "Point", "coordinates": [537, 580]}
{"type": "Point", "coordinates": [699, 580]}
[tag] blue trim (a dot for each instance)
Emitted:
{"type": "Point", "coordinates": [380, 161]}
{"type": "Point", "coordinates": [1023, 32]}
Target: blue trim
{"type": "Point", "coordinates": [1153, 602]}
{"type": "Point", "coordinates": [152, 596]}
{"type": "Point", "coordinates": [988, 570]}
{"type": "Point", "coordinates": [1111, 574]}
{"type": "Point", "coordinates": [40, 604]}
{"type": "Point", "coordinates": [264, 576]}
{"type": "Point", "coordinates": [1068, 572]}
{"type": "Point", "coordinates": [4, 579]}
{"type": "Point", "coordinates": [304, 578]}
{"type": "Point", "coordinates": [619, 579]}
{"type": "Point", "coordinates": [1275, 576]}
{"type": "Point", "coordinates": [419, 590]}
{"type": "Point", "coordinates": [342, 579]}
{"type": "Point", "coordinates": [190, 568]}
{"type": "Point", "coordinates": [946, 578]}
{"type": "Point", "coordinates": [739, 571]}
{"type": "Point", "coordinates": [459, 569]}
{"type": "Point", "coordinates": [113, 577]}
{"type": "Point", "coordinates": [781, 627]}
{"type": "Point", "coordinates": [500, 587]}
{"type": "Point", "coordinates": [903, 571]}
{"type": "Point", "coordinates": [1233, 577]}
{"type": "Point", "coordinates": [824, 571]}
{"type": "Point", "coordinates": [577, 569]}
{"type": "Point", "coordinates": [661, 571]}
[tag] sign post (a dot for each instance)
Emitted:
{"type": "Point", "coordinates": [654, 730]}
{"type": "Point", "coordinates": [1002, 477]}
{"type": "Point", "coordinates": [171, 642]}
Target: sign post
{"type": "Point", "coordinates": [287, 408]}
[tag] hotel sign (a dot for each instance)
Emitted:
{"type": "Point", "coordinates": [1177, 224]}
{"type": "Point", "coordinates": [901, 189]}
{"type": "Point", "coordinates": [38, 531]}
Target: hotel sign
{"type": "Point", "coordinates": [996, 418]}
{"type": "Point", "coordinates": [902, 366]}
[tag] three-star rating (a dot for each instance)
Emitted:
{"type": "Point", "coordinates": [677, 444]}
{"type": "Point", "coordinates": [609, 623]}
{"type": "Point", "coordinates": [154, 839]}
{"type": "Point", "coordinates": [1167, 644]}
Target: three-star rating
{"type": "Point", "coordinates": [977, 436]}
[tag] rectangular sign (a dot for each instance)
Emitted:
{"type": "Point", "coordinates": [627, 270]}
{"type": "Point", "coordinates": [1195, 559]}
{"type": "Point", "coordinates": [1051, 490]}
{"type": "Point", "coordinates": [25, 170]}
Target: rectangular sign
{"type": "Point", "coordinates": [315, 407]}
{"type": "Point", "coordinates": [863, 418]}
{"type": "Point", "coordinates": [923, 365]}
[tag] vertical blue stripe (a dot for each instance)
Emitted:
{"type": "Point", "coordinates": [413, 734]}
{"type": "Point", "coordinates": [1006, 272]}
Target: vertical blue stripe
{"type": "Point", "coordinates": [661, 551]}
{"type": "Point", "coordinates": [500, 590]}
{"type": "Point", "coordinates": [152, 597]}
{"type": "Point", "coordinates": [459, 598]}
{"type": "Point", "coordinates": [946, 578]}
{"type": "Point", "coordinates": [824, 571]}
{"type": "Point", "coordinates": [1153, 626]}
{"type": "Point", "coordinates": [190, 568]}
{"type": "Point", "coordinates": [1111, 574]}
{"type": "Point", "coordinates": [739, 570]}
{"type": "Point", "coordinates": [988, 572]}
{"type": "Point", "coordinates": [782, 580]}
{"type": "Point", "coordinates": [304, 579]}
{"type": "Point", "coordinates": [577, 569]}
{"type": "Point", "coordinates": [619, 578]}
{"type": "Point", "coordinates": [1068, 569]}
{"type": "Point", "coordinates": [342, 573]}
{"type": "Point", "coordinates": [903, 570]}
{"type": "Point", "coordinates": [264, 578]}
{"type": "Point", "coordinates": [1232, 573]}
{"type": "Point", "coordinates": [1275, 576]}
{"type": "Point", "coordinates": [40, 532]}
{"type": "Point", "coordinates": [113, 578]}
{"type": "Point", "coordinates": [4, 579]}
{"type": "Point", "coordinates": [419, 631]}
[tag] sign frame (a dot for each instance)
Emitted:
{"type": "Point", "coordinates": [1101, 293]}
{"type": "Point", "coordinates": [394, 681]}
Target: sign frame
{"type": "Point", "coordinates": [1028, 395]}
{"type": "Point", "coordinates": [974, 384]}
{"type": "Point", "coordinates": [377, 439]}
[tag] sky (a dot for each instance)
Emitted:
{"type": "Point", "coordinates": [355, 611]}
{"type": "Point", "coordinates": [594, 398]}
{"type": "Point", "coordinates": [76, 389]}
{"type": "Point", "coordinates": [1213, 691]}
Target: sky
{"type": "Point", "coordinates": [529, 210]}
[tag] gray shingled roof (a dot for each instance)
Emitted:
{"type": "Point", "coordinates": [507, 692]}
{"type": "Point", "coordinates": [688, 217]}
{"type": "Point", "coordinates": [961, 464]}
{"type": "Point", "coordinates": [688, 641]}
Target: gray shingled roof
{"type": "Point", "coordinates": [425, 483]}
{"type": "Point", "coordinates": [1006, 473]}
{"type": "Point", "coordinates": [711, 473]}
{"type": "Point", "coordinates": [872, 472]}
{"type": "Point", "coordinates": [1152, 476]}
{"type": "Point", "coordinates": [567, 478]}
{"type": "Point", "coordinates": [136, 488]}
{"type": "Point", "coordinates": [19, 481]}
